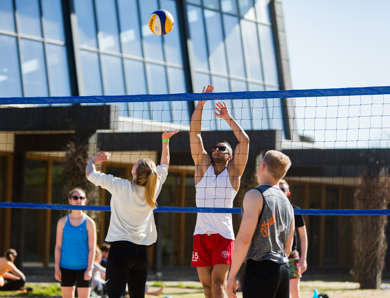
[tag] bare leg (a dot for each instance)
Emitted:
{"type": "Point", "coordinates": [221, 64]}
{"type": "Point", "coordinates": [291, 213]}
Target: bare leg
{"type": "Point", "coordinates": [67, 292]}
{"type": "Point", "coordinates": [219, 277]}
{"type": "Point", "coordinates": [155, 293]}
{"type": "Point", "coordinates": [204, 274]}
{"type": "Point", "coordinates": [84, 292]}
{"type": "Point", "coordinates": [294, 288]}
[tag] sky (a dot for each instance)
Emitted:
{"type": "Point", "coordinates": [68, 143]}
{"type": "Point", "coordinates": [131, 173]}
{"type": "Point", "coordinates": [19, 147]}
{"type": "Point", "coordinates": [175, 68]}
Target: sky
{"type": "Point", "coordinates": [336, 44]}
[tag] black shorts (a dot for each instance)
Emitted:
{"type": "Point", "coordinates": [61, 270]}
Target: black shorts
{"type": "Point", "coordinates": [270, 279]}
{"type": "Point", "coordinates": [71, 278]}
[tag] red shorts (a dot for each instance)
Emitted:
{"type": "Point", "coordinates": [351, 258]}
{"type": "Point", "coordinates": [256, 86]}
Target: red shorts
{"type": "Point", "coordinates": [211, 250]}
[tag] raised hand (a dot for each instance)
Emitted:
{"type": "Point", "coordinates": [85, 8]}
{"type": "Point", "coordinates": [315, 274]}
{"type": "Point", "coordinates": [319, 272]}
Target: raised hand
{"type": "Point", "coordinates": [222, 111]}
{"type": "Point", "coordinates": [167, 135]}
{"type": "Point", "coordinates": [208, 89]}
{"type": "Point", "coordinates": [101, 157]}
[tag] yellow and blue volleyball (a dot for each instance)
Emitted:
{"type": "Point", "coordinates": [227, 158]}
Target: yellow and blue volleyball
{"type": "Point", "coordinates": [161, 22]}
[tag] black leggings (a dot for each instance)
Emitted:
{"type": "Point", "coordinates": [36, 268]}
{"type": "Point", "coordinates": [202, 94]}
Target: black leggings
{"type": "Point", "coordinates": [12, 285]}
{"type": "Point", "coordinates": [127, 262]}
{"type": "Point", "coordinates": [270, 279]}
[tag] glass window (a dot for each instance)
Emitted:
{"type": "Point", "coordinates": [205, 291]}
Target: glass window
{"type": "Point", "coordinates": [234, 46]}
{"type": "Point", "coordinates": [29, 18]}
{"type": "Point", "coordinates": [130, 33]}
{"type": "Point", "coordinates": [177, 84]}
{"type": "Point", "coordinates": [157, 82]}
{"type": "Point", "coordinates": [53, 24]}
{"type": "Point", "coordinates": [213, 4]}
{"type": "Point", "coordinates": [259, 109]}
{"type": "Point", "coordinates": [251, 50]}
{"type": "Point", "coordinates": [208, 117]}
{"type": "Point", "coordinates": [229, 6]}
{"type": "Point", "coordinates": [112, 73]}
{"type": "Point", "coordinates": [151, 42]}
{"type": "Point", "coordinates": [262, 10]}
{"type": "Point", "coordinates": [217, 56]}
{"type": "Point", "coordinates": [113, 80]}
{"type": "Point", "coordinates": [241, 107]}
{"type": "Point", "coordinates": [275, 112]}
{"type": "Point", "coordinates": [107, 25]}
{"type": "Point", "coordinates": [222, 85]}
{"type": "Point", "coordinates": [33, 68]}
{"type": "Point", "coordinates": [7, 22]}
{"type": "Point", "coordinates": [91, 73]}
{"type": "Point", "coordinates": [136, 84]}
{"type": "Point", "coordinates": [172, 44]}
{"type": "Point", "coordinates": [86, 23]}
{"type": "Point", "coordinates": [194, 1]}
{"type": "Point", "coordinates": [10, 85]}
{"type": "Point", "coordinates": [268, 54]}
{"type": "Point", "coordinates": [57, 67]}
{"type": "Point", "coordinates": [246, 9]}
{"type": "Point", "coordinates": [198, 37]}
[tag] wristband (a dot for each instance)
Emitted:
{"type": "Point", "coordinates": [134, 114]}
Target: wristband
{"type": "Point", "coordinates": [165, 141]}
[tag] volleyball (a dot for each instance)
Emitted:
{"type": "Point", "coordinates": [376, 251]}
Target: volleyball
{"type": "Point", "coordinates": [161, 22]}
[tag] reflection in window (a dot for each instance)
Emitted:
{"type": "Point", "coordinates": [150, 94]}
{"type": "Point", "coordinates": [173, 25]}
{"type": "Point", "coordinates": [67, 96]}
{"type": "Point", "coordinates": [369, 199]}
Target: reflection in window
{"type": "Point", "coordinates": [52, 20]}
{"type": "Point", "coordinates": [172, 44]}
{"type": "Point", "coordinates": [241, 107]}
{"type": "Point", "coordinates": [86, 23]}
{"type": "Point", "coordinates": [268, 54]}
{"type": "Point", "coordinates": [107, 25]}
{"type": "Point", "coordinates": [234, 46]}
{"type": "Point", "coordinates": [176, 81]}
{"type": "Point", "coordinates": [7, 16]}
{"type": "Point", "coordinates": [229, 6]}
{"type": "Point", "coordinates": [197, 33]}
{"type": "Point", "coordinates": [33, 68]}
{"type": "Point", "coordinates": [91, 73]}
{"type": "Point", "coordinates": [29, 18]}
{"type": "Point", "coordinates": [208, 117]}
{"type": "Point", "coordinates": [113, 80]}
{"type": "Point", "coordinates": [262, 10]}
{"type": "Point", "coordinates": [217, 55]}
{"type": "Point", "coordinates": [222, 85]}
{"type": "Point", "coordinates": [57, 65]}
{"type": "Point", "coordinates": [130, 35]}
{"type": "Point", "coordinates": [161, 111]}
{"type": "Point", "coordinates": [151, 42]}
{"type": "Point", "coordinates": [259, 109]}
{"type": "Point", "coordinates": [246, 9]}
{"type": "Point", "coordinates": [10, 85]}
{"type": "Point", "coordinates": [251, 50]}
{"type": "Point", "coordinates": [213, 4]}
{"type": "Point", "coordinates": [136, 84]}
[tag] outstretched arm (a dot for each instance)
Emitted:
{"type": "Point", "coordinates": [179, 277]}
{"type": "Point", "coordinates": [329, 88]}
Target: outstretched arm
{"type": "Point", "coordinates": [165, 146]}
{"type": "Point", "coordinates": [199, 155]}
{"type": "Point", "coordinates": [96, 159]}
{"type": "Point", "coordinates": [253, 204]}
{"type": "Point", "coordinates": [242, 149]}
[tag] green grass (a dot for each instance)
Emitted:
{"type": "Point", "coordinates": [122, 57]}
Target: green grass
{"type": "Point", "coordinates": [51, 289]}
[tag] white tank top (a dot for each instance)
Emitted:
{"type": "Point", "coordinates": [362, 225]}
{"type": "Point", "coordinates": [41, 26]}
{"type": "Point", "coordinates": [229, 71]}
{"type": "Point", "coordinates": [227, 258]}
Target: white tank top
{"type": "Point", "coordinates": [215, 191]}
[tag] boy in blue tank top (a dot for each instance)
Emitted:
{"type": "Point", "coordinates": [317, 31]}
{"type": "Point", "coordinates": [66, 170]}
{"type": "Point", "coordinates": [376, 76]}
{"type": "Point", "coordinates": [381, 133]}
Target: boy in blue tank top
{"type": "Point", "coordinates": [265, 237]}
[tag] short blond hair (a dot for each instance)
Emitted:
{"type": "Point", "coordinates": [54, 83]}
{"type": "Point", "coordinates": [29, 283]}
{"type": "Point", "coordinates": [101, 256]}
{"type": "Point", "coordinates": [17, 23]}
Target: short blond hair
{"type": "Point", "coordinates": [277, 163]}
{"type": "Point", "coordinates": [284, 182]}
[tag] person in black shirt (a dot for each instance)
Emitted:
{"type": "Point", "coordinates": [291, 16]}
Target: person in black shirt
{"type": "Point", "coordinates": [297, 261]}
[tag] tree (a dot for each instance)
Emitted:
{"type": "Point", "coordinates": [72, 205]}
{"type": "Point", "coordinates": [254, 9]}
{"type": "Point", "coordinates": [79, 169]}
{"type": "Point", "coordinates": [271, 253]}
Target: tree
{"type": "Point", "coordinates": [76, 159]}
{"type": "Point", "coordinates": [370, 242]}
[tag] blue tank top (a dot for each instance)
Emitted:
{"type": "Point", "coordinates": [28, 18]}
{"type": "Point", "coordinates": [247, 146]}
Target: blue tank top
{"type": "Point", "coordinates": [74, 251]}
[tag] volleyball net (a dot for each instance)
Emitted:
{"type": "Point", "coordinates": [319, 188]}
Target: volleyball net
{"type": "Point", "coordinates": [333, 136]}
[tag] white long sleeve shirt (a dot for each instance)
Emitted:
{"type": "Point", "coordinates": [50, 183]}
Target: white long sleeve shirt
{"type": "Point", "coordinates": [131, 217]}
